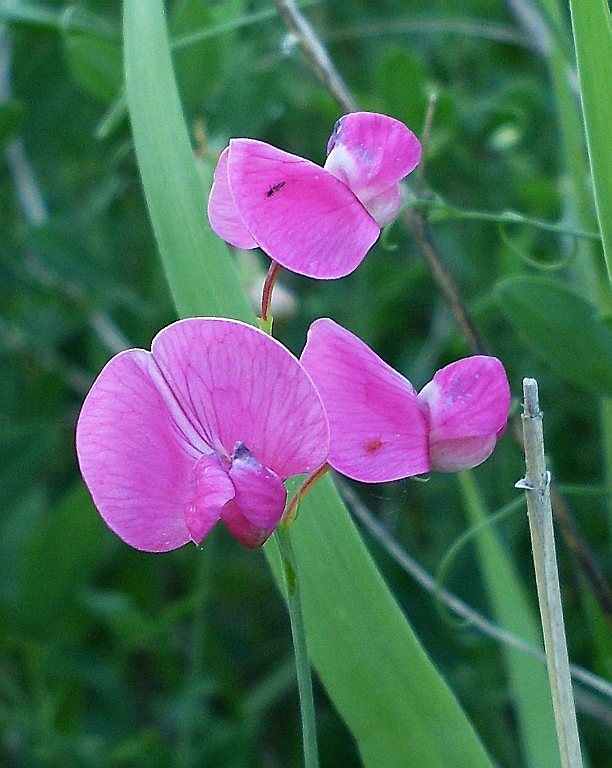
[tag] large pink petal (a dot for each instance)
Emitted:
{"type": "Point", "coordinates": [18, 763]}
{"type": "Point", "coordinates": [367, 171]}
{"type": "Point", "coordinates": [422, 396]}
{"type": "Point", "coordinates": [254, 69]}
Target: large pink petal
{"type": "Point", "coordinates": [467, 403]}
{"type": "Point", "coordinates": [235, 384]}
{"type": "Point", "coordinates": [223, 215]}
{"type": "Point", "coordinates": [371, 153]}
{"type": "Point", "coordinates": [260, 493]}
{"type": "Point", "coordinates": [211, 489]}
{"type": "Point", "coordinates": [133, 457]}
{"type": "Point", "coordinates": [299, 214]}
{"type": "Point", "coordinates": [378, 432]}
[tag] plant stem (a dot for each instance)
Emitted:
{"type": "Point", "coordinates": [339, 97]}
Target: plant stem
{"type": "Point", "coordinates": [537, 489]}
{"type": "Point", "coordinates": [291, 511]}
{"type": "Point", "coordinates": [437, 206]}
{"type": "Point", "coordinates": [266, 297]}
{"type": "Point", "coordinates": [290, 574]}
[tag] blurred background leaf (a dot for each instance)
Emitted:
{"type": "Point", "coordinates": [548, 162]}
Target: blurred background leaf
{"type": "Point", "coordinates": [562, 328]}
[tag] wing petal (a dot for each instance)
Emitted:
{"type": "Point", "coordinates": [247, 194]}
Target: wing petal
{"type": "Point", "coordinates": [223, 214]}
{"type": "Point", "coordinates": [299, 214]}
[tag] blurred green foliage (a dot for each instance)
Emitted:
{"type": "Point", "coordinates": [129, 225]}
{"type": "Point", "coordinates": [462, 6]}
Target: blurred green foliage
{"type": "Point", "coordinates": [110, 657]}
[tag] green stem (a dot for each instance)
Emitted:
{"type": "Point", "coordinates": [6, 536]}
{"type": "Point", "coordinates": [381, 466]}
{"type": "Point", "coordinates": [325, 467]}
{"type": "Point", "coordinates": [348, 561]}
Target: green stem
{"type": "Point", "coordinates": [537, 489]}
{"type": "Point", "coordinates": [438, 207]}
{"type": "Point", "coordinates": [302, 663]}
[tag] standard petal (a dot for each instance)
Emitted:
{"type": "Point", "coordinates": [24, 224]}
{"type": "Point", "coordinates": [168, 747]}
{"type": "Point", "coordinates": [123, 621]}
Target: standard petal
{"type": "Point", "coordinates": [371, 153]}
{"type": "Point", "coordinates": [467, 403]}
{"type": "Point", "coordinates": [211, 489]}
{"type": "Point", "coordinates": [300, 215]}
{"type": "Point", "coordinates": [133, 458]}
{"type": "Point", "coordinates": [260, 493]}
{"type": "Point", "coordinates": [223, 215]}
{"type": "Point", "coordinates": [378, 432]}
{"type": "Point", "coordinates": [235, 384]}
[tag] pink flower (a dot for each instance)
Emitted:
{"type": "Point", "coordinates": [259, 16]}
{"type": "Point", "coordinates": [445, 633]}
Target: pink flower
{"type": "Point", "coordinates": [382, 430]}
{"type": "Point", "coordinates": [205, 427]}
{"type": "Point", "coordinates": [318, 222]}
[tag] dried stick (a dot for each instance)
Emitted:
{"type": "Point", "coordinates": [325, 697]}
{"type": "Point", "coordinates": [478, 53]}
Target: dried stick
{"type": "Point", "coordinates": [537, 489]}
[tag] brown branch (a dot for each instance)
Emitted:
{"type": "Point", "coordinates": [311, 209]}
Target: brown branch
{"type": "Point", "coordinates": [318, 56]}
{"type": "Point", "coordinates": [417, 224]}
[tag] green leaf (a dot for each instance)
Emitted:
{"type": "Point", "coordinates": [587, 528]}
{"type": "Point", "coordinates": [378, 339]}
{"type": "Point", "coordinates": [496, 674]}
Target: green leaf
{"type": "Point", "coordinates": [527, 676]}
{"type": "Point", "coordinates": [62, 552]}
{"type": "Point", "coordinates": [202, 276]}
{"type": "Point", "coordinates": [95, 63]}
{"type": "Point", "coordinates": [197, 65]}
{"type": "Point", "coordinates": [11, 118]}
{"type": "Point", "coordinates": [402, 85]}
{"type": "Point", "coordinates": [593, 41]}
{"type": "Point", "coordinates": [372, 665]}
{"type": "Point", "coordinates": [562, 328]}
{"type": "Point", "coordinates": [398, 708]}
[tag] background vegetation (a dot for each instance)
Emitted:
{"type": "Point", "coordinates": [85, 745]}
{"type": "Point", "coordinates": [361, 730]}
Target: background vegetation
{"type": "Point", "coordinates": [111, 657]}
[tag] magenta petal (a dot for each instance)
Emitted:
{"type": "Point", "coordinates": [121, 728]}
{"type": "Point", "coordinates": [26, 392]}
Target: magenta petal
{"type": "Point", "coordinates": [455, 455]}
{"type": "Point", "coordinates": [211, 489]}
{"type": "Point", "coordinates": [223, 215]}
{"type": "Point", "coordinates": [249, 535]}
{"type": "Point", "coordinates": [378, 432]}
{"type": "Point", "coordinates": [299, 214]}
{"type": "Point", "coordinates": [133, 460]}
{"type": "Point", "coordinates": [385, 207]}
{"type": "Point", "coordinates": [260, 493]}
{"type": "Point", "coordinates": [467, 404]}
{"type": "Point", "coordinates": [235, 384]}
{"type": "Point", "coordinates": [371, 153]}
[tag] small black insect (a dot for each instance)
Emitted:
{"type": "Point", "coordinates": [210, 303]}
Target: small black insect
{"type": "Point", "coordinates": [275, 188]}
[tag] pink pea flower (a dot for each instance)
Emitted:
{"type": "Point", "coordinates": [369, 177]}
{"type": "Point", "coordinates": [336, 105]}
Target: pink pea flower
{"type": "Point", "coordinates": [383, 430]}
{"type": "Point", "coordinates": [205, 427]}
{"type": "Point", "coordinates": [318, 222]}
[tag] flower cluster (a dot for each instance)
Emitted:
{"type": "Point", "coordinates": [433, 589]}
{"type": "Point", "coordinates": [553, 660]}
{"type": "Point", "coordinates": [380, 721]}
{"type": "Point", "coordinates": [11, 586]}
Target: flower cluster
{"type": "Point", "coordinates": [318, 222]}
{"type": "Point", "coordinates": [208, 425]}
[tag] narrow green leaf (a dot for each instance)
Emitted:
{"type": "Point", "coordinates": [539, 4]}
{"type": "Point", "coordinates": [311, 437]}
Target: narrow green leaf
{"type": "Point", "coordinates": [378, 675]}
{"type": "Point", "coordinates": [398, 708]}
{"type": "Point", "coordinates": [593, 41]}
{"type": "Point", "coordinates": [562, 328]}
{"type": "Point", "coordinates": [201, 274]}
{"type": "Point", "coordinates": [527, 676]}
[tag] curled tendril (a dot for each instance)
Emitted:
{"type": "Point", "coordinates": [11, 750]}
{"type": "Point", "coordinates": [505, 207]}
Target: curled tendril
{"type": "Point", "coordinates": [553, 266]}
